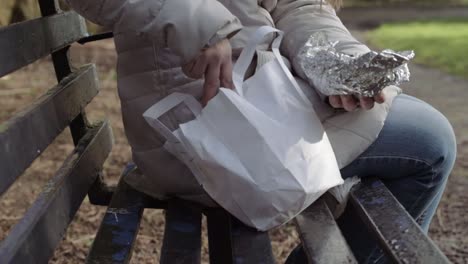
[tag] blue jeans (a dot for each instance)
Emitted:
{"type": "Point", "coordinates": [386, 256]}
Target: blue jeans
{"type": "Point", "coordinates": [413, 156]}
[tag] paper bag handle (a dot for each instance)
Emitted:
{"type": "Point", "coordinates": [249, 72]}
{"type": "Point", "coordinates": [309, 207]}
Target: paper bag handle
{"type": "Point", "coordinates": [153, 113]}
{"type": "Point", "coordinates": [275, 48]}
{"type": "Point", "coordinates": [245, 58]}
{"type": "Point", "coordinates": [247, 54]}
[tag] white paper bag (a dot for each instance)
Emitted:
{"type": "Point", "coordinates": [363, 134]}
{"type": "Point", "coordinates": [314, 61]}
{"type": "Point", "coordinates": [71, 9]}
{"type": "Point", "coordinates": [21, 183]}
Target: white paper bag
{"type": "Point", "coordinates": [259, 151]}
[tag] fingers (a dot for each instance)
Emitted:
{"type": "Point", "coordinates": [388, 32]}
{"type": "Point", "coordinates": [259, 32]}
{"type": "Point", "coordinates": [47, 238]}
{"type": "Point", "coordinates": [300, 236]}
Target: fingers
{"type": "Point", "coordinates": [380, 98]}
{"type": "Point", "coordinates": [349, 102]}
{"type": "Point", "coordinates": [212, 82]}
{"type": "Point", "coordinates": [369, 102]}
{"type": "Point", "coordinates": [217, 72]}
{"type": "Point", "coordinates": [215, 65]}
{"type": "Point", "coordinates": [335, 101]}
{"type": "Point", "coordinates": [226, 75]}
{"type": "Point", "coordinates": [200, 67]}
{"type": "Point", "coordinates": [196, 68]}
{"type": "Point", "coordinates": [366, 103]}
{"type": "Point", "coordinates": [187, 68]}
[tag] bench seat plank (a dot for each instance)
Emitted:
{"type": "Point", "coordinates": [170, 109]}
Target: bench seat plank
{"type": "Point", "coordinates": [26, 42]}
{"type": "Point", "coordinates": [117, 233]}
{"type": "Point", "coordinates": [34, 238]}
{"type": "Point", "coordinates": [321, 237]}
{"type": "Point", "coordinates": [398, 234]}
{"type": "Point", "coordinates": [182, 234]}
{"type": "Point", "coordinates": [29, 132]}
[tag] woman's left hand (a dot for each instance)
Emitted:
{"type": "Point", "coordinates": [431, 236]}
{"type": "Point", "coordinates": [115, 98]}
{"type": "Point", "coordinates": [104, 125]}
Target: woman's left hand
{"type": "Point", "coordinates": [215, 65]}
{"type": "Point", "coordinates": [350, 102]}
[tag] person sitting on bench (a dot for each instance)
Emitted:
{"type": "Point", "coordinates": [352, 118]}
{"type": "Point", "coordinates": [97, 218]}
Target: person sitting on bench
{"type": "Point", "coordinates": [190, 46]}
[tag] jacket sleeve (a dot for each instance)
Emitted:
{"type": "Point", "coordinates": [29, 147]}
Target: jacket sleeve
{"type": "Point", "coordinates": [299, 19]}
{"type": "Point", "coordinates": [185, 26]}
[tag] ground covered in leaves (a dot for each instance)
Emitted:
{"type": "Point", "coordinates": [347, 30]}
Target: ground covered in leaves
{"type": "Point", "coordinates": [21, 88]}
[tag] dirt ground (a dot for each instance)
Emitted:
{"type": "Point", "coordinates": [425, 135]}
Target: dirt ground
{"type": "Point", "coordinates": [19, 89]}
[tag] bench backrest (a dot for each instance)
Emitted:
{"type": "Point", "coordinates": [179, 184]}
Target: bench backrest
{"type": "Point", "coordinates": [26, 134]}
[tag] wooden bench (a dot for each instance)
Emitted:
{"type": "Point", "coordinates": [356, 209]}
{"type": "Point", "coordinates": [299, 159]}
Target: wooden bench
{"type": "Point", "coordinates": [34, 238]}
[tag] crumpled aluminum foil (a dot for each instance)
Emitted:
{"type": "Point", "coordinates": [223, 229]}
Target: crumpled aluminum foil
{"type": "Point", "coordinates": [335, 73]}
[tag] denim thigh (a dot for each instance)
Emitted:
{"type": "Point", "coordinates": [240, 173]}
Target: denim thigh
{"type": "Point", "coordinates": [413, 156]}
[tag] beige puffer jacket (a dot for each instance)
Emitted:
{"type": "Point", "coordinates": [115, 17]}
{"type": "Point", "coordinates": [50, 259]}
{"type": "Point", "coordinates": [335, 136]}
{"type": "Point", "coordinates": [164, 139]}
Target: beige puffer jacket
{"type": "Point", "coordinates": [154, 37]}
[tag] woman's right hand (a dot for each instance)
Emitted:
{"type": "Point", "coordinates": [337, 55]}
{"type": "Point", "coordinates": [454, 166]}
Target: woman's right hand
{"type": "Point", "coordinates": [350, 103]}
{"type": "Point", "coordinates": [215, 65]}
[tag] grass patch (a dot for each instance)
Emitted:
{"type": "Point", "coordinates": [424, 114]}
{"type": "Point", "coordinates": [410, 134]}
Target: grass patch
{"type": "Point", "coordinates": [440, 44]}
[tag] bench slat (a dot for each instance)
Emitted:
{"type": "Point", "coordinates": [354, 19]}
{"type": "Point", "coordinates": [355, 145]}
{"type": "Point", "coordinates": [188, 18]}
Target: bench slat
{"type": "Point", "coordinates": [398, 234]}
{"type": "Point", "coordinates": [29, 132]}
{"type": "Point", "coordinates": [250, 245]}
{"type": "Point", "coordinates": [182, 234]}
{"type": "Point", "coordinates": [219, 236]}
{"type": "Point", "coordinates": [230, 241]}
{"type": "Point", "coordinates": [34, 238]}
{"type": "Point", "coordinates": [116, 236]}
{"type": "Point", "coordinates": [26, 42]}
{"type": "Point", "coordinates": [321, 237]}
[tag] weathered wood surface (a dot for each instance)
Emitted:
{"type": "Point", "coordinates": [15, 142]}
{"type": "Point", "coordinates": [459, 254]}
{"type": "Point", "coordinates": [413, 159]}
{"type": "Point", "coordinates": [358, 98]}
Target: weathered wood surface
{"type": "Point", "coordinates": [230, 241]}
{"type": "Point", "coordinates": [26, 42]}
{"type": "Point", "coordinates": [34, 238]}
{"type": "Point", "coordinates": [398, 234]}
{"type": "Point", "coordinates": [29, 132]}
{"type": "Point", "coordinates": [321, 237]}
{"type": "Point", "coordinates": [182, 234]}
{"type": "Point", "coordinates": [116, 236]}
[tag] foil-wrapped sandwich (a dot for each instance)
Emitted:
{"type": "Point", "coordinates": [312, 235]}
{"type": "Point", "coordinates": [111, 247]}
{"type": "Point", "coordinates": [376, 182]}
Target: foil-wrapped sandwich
{"type": "Point", "coordinates": [335, 73]}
